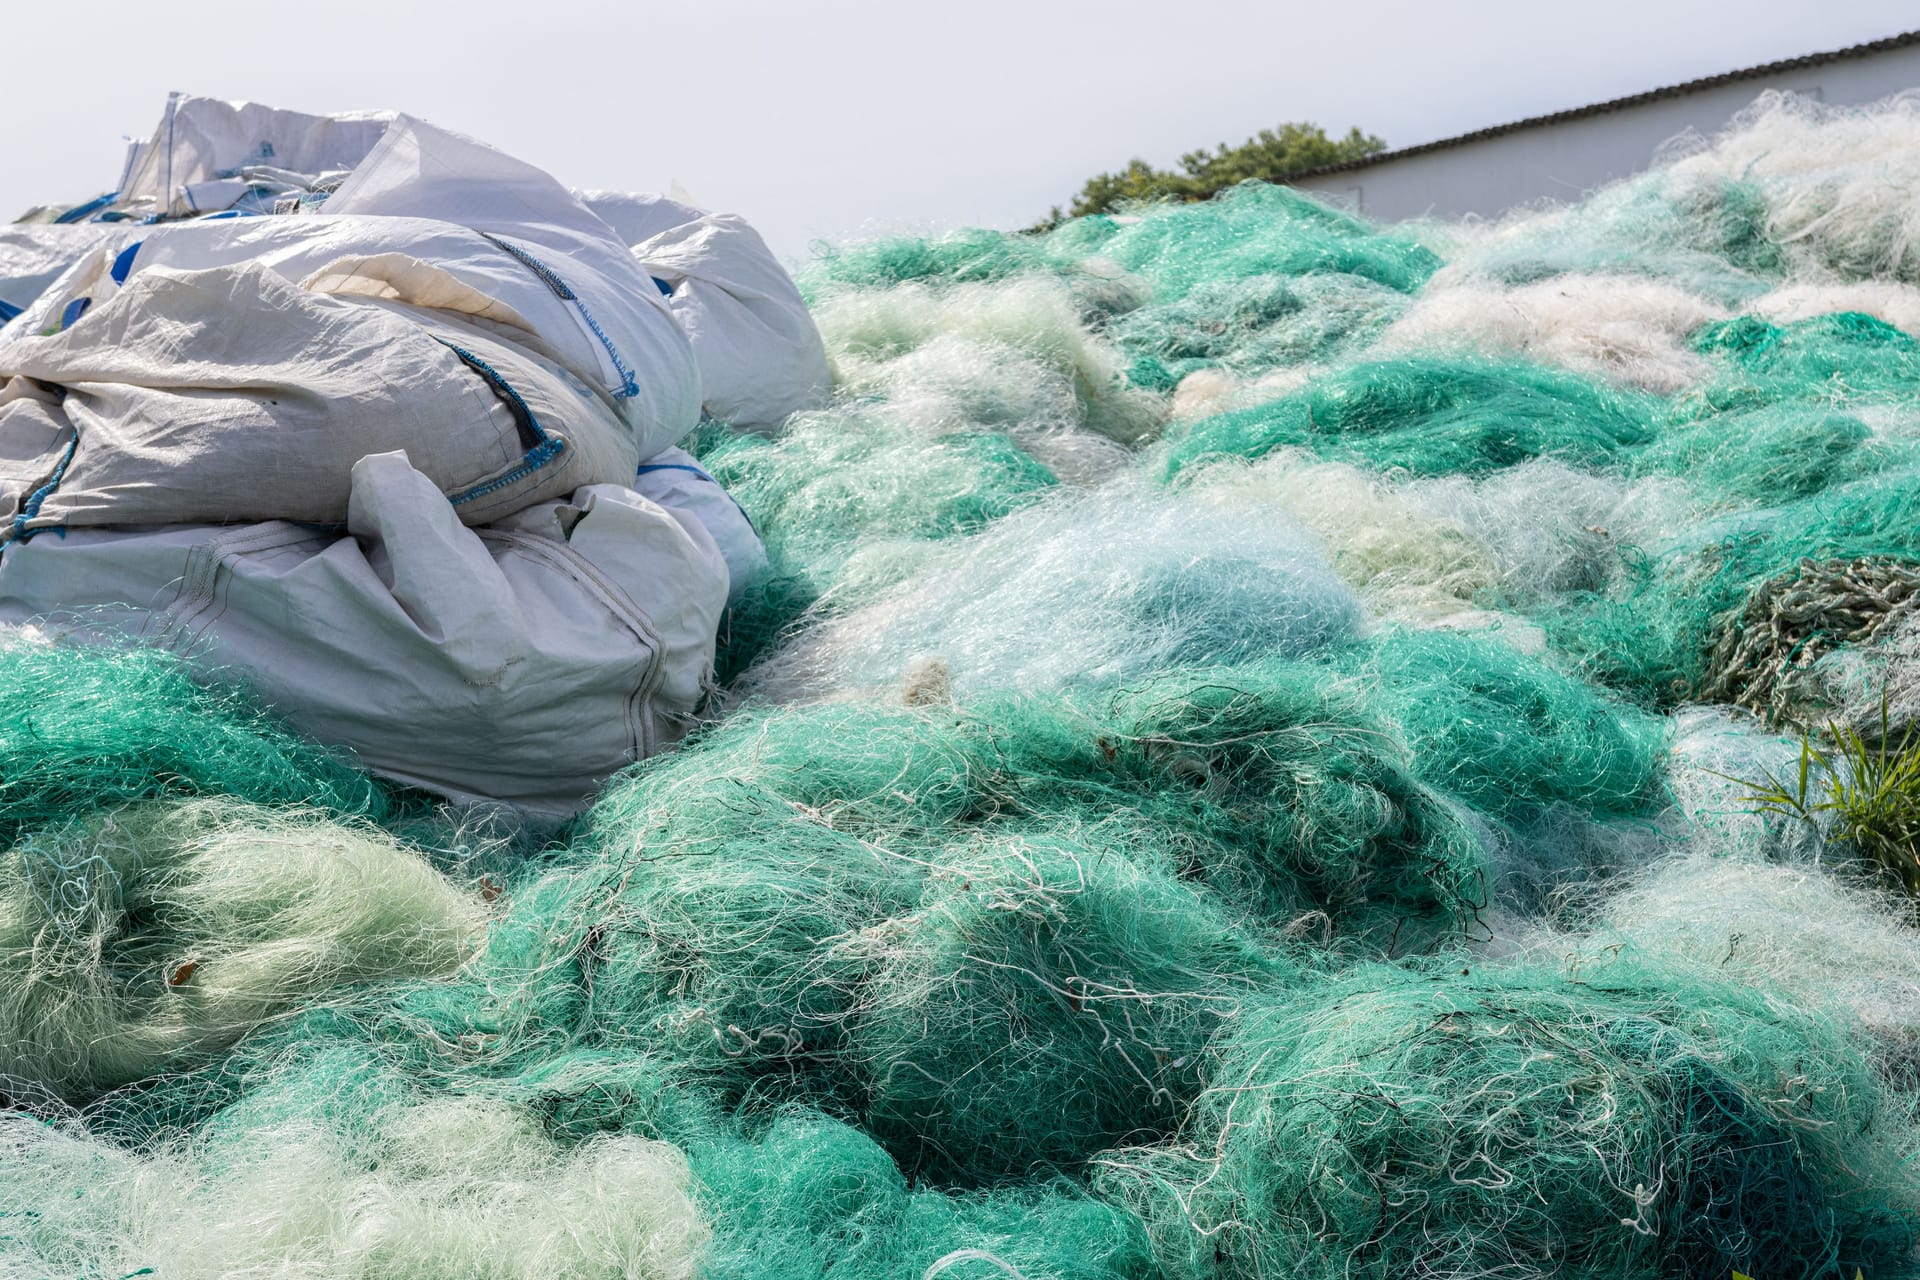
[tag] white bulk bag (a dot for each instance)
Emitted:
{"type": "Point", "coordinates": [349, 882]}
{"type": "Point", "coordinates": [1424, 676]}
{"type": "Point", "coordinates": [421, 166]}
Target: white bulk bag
{"type": "Point", "coordinates": [676, 480]}
{"type": "Point", "coordinates": [525, 662]}
{"type": "Point", "coordinates": [616, 315]}
{"type": "Point", "coordinates": [611, 327]}
{"type": "Point", "coordinates": [269, 353]}
{"type": "Point", "coordinates": [759, 352]}
{"type": "Point", "coordinates": [34, 256]}
{"type": "Point", "coordinates": [760, 355]}
{"type": "Point", "coordinates": [231, 394]}
{"type": "Point", "coordinates": [554, 304]}
{"type": "Point", "coordinates": [202, 140]}
{"type": "Point", "coordinates": [638, 215]}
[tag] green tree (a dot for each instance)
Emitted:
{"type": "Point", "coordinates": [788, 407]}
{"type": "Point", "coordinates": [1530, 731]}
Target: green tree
{"type": "Point", "coordinates": [1272, 155]}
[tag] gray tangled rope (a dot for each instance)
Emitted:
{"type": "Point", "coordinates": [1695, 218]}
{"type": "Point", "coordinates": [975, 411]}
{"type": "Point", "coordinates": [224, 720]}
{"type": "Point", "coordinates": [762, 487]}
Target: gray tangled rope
{"type": "Point", "coordinates": [1788, 624]}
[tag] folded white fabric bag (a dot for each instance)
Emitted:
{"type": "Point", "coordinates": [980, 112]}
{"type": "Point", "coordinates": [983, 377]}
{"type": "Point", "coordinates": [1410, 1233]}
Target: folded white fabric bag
{"type": "Point", "coordinates": [525, 662]}
{"type": "Point", "coordinates": [636, 216]}
{"type": "Point", "coordinates": [452, 302]}
{"type": "Point", "coordinates": [231, 394]}
{"type": "Point", "coordinates": [759, 352]}
{"type": "Point", "coordinates": [33, 256]}
{"type": "Point", "coordinates": [676, 480]}
{"type": "Point", "coordinates": [204, 140]}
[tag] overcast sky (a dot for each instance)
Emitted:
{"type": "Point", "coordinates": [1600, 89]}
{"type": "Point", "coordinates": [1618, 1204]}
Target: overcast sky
{"type": "Point", "coordinates": [823, 119]}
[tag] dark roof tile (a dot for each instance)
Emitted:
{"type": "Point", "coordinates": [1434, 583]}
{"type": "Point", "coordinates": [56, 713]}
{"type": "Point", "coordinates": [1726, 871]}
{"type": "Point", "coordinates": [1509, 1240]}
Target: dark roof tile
{"type": "Point", "coordinates": [1632, 100]}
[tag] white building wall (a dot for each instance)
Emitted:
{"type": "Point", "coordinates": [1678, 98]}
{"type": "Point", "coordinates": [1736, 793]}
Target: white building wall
{"type": "Point", "coordinates": [1563, 161]}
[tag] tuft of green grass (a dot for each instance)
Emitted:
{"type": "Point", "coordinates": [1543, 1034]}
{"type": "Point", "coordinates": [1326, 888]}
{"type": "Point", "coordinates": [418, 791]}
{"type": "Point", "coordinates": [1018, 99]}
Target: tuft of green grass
{"type": "Point", "coordinates": [1870, 787]}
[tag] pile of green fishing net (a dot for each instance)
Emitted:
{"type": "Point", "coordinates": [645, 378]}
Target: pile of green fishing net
{"type": "Point", "coordinates": [1215, 781]}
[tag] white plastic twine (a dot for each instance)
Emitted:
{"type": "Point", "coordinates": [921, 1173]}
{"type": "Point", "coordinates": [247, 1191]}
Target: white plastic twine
{"type": "Point", "coordinates": [959, 1256]}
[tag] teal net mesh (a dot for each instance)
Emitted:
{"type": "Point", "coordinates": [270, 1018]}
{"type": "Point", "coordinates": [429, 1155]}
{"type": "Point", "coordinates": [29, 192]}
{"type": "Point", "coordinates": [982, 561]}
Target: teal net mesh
{"type": "Point", "coordinates": [1225, 774]}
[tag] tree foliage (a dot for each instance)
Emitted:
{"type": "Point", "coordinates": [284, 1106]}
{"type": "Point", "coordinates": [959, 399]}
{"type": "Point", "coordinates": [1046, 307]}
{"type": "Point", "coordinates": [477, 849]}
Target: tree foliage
{"type": "Point", "coordinates": [1271, 155]}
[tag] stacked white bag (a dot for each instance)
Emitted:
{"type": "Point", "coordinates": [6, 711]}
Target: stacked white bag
{"type": "Point", "coordinates": [760, 355]}
{"type": "Point", "coordinates": [33, 256]}
{"type": "Point", "coordinates": [381, 456]}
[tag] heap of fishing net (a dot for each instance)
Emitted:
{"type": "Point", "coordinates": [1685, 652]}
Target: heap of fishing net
{"type": "Point", "coordinates": [1084, 587]}
{"type": "Point", "coordinates": [1599, 433]}
{"type": "Point", "coordinates": [853, 906]}
{"type": "Point", "coordinates": [363, 1180]}
{"type": "Point", "coordinates": [1616, 1118]}
{"type": "Point", "coordinates": [146, 935]}
{"type": "Point", "coordinates": [1212, 788]}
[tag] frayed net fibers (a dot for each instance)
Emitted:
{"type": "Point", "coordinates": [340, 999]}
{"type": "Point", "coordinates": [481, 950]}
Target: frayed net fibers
{"type": "Point", "coordinates": [741, 879]}
{"type": "Point", "coordinates": [1781, 451]}
{"type": "Point", "coordinates": [1034, 318]}
{"type": "Point", "coordinates": [1277, 785]}
{"type": "Point", "coordinates": [1403, 561]}
{"type": "Point", "coordinates": [1229, 771]}
{"type": "Point", "coordinates": [1049, 996]}
{"type": "Point", "coordinates": [1890, 301]}
{"type": "Point", "coordinates": [149, 934]}
{"type": "Point", "coordinates": [408, 1187]}
{"type": "Point", "coordinates": [1564, 781]}
{"type": "Point", "coordinates": [872, 480]}
{"type": "Point", "coordinates": [1429, 416]}
{"type": "Point", "coordinates": [1616, 1120]}
{"type": "Point", "coordinates": [849, 502]}
{"type": "Point", "coordinates": [962, 257]}
{"type": "Point", "coordinates": [1629, 332]}
{"type": "Point", "coordinates": [1799, 928]}
{"type": "Point", "coordinates": [748, 965]}
{"type": "Point", "coordinates": [1255, 229]}
{"type": "Point", "coordinates": [1699, 594]}
{"type": "Point", "coordinates": [1712, 748]}
{"type": "Point", "coordinates": [808, 1195]}
{"type": "Point", "coordinates": [1833, 181]}
{"type": "Point", "coordinates": [1701, 232]}
{"type": "Point", "coordinates": [1254, 326]}
{"type": "Point", "coordinates": [966, 385]}
{"type": "Point", "coordinates": [1857, 684]}
{"type": "Point", "coordinates": [1209, 391]}
{"type": "Point", "coordinates": [1508, 733]}
{"type": "Point", "coordinates": [1790, 188]}
{"type": "Point", "coordinates": [86, 728]}
{"type": "Point", "coordinates": [1844, 360]}
{"type": "Point", "coordinates": [1085, 588]}
{"type": "Point", "coordinates": [1457, 550]}
{"type": "Point", "coordinates": [1555, 531]}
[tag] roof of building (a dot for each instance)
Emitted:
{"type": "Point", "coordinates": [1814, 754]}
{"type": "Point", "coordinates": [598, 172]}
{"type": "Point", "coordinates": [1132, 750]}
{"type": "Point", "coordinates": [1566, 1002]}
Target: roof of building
{"type": "Point", "coordinates": [1900, 41]}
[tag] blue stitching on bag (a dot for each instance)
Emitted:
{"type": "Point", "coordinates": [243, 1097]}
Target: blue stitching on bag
{"type": "Point", "coordinates": [548, 276]}
{"type": "Point", "coordinates": [562, 290]}
{"type": "Point", "coordinates": [539, 458]}
{"type": "Point", "coordinates": [532, 434]}
{"type": "Point", "coordinates": [541, 447]}
{"type": "Point", "coordinates": [628, 387]}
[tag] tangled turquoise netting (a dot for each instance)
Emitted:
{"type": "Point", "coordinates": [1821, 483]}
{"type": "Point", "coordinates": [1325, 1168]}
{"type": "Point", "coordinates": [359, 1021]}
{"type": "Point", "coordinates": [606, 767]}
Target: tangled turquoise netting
{"type": "Point", "coordinates": [1207, 790]}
